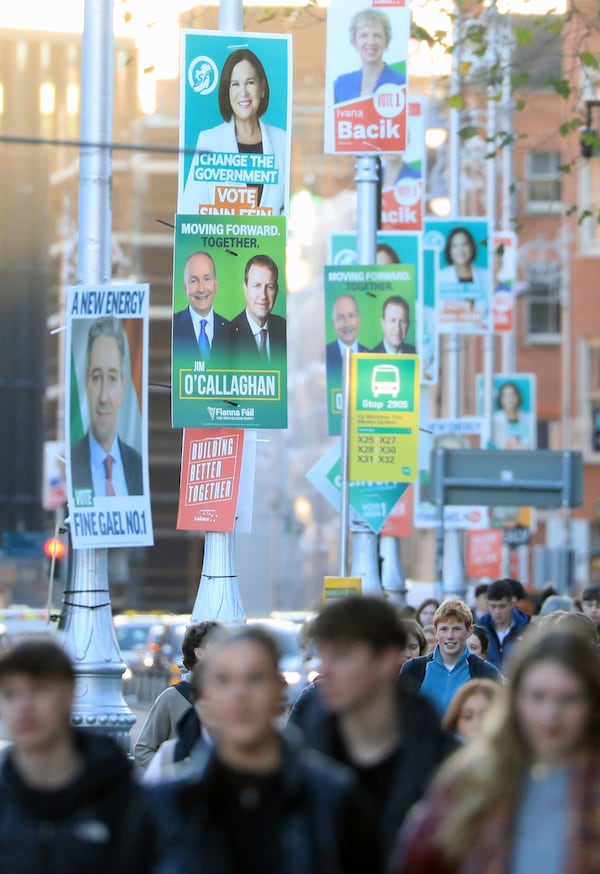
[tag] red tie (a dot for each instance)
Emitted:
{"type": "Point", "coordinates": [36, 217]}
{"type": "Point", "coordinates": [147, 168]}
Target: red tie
{"type": "Point", "coordinates": [108, 466]}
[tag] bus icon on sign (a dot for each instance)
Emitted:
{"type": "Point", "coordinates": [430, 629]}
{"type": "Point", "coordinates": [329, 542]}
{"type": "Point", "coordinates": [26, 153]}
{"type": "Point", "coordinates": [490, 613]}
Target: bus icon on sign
{"type": "Point", "coordinates": [385, 380]}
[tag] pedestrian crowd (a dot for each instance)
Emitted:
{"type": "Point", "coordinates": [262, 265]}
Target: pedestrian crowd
{"type": "Point", "coordinates": [473, 748]}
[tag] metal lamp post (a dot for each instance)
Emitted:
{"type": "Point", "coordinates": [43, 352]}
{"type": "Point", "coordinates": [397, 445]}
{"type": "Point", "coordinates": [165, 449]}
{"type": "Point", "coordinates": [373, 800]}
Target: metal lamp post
{"type": "Point", "coordinates": [86, 628]}
{"type": "Point", "coordinates": [218, 594]}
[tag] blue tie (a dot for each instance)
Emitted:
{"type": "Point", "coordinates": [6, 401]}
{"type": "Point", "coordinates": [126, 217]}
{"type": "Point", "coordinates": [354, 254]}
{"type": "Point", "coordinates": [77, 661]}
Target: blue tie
{"type": "Point", "coordinates": [203, 344]}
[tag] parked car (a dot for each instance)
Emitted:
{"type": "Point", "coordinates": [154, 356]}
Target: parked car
{"type": "Point", "coordinates": [161, 655]}
{"type": "Point", "coordinates": [291, 656]}
{"type": "Point", "coordinates": [20, 622]}
{"type": "Point", "coordinates": [132, 634]}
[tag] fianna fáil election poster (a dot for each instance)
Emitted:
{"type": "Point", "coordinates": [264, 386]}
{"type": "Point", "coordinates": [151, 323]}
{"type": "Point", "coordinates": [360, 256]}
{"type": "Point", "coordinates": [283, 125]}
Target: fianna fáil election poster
{"type": "Point", "coordinates": [367, 309]}
{"type": "Point", "coordinates": [106, 413]}
{"type": "Point", "coordinates": [229, 365]}
{"type": "Point", "coordinates": [234, 135]}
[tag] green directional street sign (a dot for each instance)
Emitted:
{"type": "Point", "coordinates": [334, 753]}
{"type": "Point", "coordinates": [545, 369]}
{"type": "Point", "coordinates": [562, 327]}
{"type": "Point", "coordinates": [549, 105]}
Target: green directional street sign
{"type": "Point", "coordinates": [373, 502]}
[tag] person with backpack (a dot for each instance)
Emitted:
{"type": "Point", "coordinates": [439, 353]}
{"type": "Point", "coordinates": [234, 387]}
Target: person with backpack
{"type": "Point", "coordinates": [438, 675]}
{"type": "Point", "coordinates": [174, 706]}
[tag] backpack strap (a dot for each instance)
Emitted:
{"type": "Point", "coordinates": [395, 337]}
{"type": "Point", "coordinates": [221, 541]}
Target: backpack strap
{"type": "Point", "coordinates": [184, 688]}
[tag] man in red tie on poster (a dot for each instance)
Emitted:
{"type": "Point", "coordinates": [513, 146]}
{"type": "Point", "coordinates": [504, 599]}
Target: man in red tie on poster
{"type": "Point", "coordinates": [100, 460]}
{"type": "Point", "coordinates": [256, 335]}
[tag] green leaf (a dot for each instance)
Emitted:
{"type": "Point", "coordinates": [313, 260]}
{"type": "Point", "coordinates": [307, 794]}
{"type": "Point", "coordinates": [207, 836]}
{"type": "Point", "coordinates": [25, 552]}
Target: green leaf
{"type": "Point", "coordinates": [423, 35]}
{"type": "Point", "coordinates": [589, 60]}
{"type": "Point", "coordinates": [561, 86]}
{"type": "Point", "coordinates": [476, 33]}
{"type": "Point", "coordinates": [567, 127]}
{"type": "Point", "coordinates": [455, 101]}
{"type": "Point", "coordinates": [464, 67]}
{"type": "Point", "coordinates": [523, 35]}
{"type": "Point", "coordinates": [555, 24]}
{"type": "Point", "coordinates": [520, 105]}
{"type": "Point", "coordinates": [517, 80]}
{"type": "Point", "coordinates": [468, 132]}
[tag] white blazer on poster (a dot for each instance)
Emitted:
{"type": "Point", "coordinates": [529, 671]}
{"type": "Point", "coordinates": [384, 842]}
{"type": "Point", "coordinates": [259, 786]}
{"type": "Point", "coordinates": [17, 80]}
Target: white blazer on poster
{"type": "Point", "coordinates": [222, 139]}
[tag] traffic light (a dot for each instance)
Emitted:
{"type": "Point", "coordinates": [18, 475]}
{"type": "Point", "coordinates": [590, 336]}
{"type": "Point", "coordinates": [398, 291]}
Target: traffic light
{"type": "Point", "coordinates": [56, 551]}
{"type": "Point", "coordinates": [54, 548]}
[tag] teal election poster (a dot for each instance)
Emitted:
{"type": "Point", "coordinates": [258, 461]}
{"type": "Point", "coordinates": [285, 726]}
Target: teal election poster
{"type": "Point", "coordinates": [235, 123]}
{"type": "Point", "coordinates": [464, 278]}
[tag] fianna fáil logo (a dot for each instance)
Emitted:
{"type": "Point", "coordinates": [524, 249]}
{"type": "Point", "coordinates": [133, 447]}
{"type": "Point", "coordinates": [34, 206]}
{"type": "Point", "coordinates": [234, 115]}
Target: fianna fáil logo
{"type": "Point", "coordinates": [203, 75]}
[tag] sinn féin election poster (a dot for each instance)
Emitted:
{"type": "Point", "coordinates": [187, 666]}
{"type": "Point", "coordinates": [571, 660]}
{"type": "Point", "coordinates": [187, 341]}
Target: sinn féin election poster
{"type": "Point", "coordinates": [106, 411]}
{"type": "Point", "coordinates": [235, 128]}
{"type": "Point", "coordinates": [229, 359]}
{"type": "Point", "coordinates": [464, 278]}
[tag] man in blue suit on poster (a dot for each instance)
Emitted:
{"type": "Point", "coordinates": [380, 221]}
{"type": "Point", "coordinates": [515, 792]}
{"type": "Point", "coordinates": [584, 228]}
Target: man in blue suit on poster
{"type": "Point", "coordinates": [194, 327]}
{"type": "Point", "coordinates": [346, 321]}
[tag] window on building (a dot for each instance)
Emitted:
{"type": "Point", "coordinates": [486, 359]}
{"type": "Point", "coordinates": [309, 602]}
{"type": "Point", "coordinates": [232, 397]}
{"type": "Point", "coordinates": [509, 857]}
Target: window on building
{"type": "Point", "coordinates": [543, 302]}
{"type": "Point", "coordinates": [543, 182]}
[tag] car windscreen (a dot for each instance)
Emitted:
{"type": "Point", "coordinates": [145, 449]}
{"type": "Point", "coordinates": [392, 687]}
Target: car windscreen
{"type": "Point", "coordinates": [132, 635]}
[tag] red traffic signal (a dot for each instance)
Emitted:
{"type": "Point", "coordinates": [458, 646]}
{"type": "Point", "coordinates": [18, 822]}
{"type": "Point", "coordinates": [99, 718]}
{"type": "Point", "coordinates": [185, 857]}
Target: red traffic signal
{"type": "Point", "coordinates": [54, 548]}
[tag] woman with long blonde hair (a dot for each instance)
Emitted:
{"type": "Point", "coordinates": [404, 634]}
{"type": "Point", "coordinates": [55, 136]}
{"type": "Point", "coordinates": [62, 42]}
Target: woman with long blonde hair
{"type": "Point", "coordinates": [526, 795]}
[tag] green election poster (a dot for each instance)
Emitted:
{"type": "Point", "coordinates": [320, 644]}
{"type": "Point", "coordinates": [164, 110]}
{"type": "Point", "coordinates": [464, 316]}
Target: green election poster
{"type": "Point", "coordinates": [384, 418]}
{"type": "Point", "coordinates": [367, 309]}
{"type": "Point", "coordinates": [229, 350]}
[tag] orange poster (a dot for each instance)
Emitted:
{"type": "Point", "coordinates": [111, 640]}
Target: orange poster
{"type": "Point", "coordinates": [211, 461]}
{"type": "Point", "coordinates": [484, 553]}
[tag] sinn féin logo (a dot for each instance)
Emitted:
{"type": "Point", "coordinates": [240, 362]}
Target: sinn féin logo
{"type": "Point", "coordinates": [203, 75]}
{"type": "Point", "coordinates": [345, 256]}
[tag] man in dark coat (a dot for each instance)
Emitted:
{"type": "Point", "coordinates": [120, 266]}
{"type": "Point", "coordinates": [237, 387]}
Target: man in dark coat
{"type": "Point", "coordinates": [68, 802]}
{"type": "Point", "coordinates": [358, 713]}
{"type": "Point", "coordinates": [253, 802]}
{"type": "Point", "coordinates": [504, 623]}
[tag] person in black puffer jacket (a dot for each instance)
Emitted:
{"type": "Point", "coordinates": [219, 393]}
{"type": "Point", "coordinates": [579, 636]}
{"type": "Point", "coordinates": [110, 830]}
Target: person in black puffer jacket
{"type": "Point", "coordinates": [253, 803]}
{"type": "Point", "coordinates": [68, 801]}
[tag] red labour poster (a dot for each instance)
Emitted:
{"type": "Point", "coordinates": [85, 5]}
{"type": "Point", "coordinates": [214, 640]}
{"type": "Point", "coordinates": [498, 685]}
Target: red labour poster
{"type": "Point", "coordinates": [484, 553]}
{"type": "Point", "coordinates": [211, 462]}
